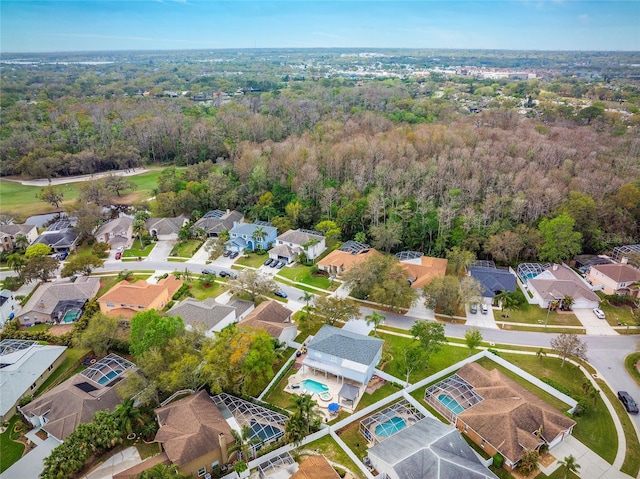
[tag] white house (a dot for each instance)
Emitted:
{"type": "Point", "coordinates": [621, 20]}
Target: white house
{"type": "Point", "coordinates": [558, 281]}
{"type": "Point", "coordinates": [7, 306]}
{"type": "Point", "coordinates": [344, 354]}
{"type": "Point", "coordinates": [291, 243]}
{"type": "Point", "coordinates": [208, 316]}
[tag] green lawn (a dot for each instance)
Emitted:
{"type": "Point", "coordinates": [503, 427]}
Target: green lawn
{"type": "Point", "coordinates": [532, 314]}
{"type": "Point", "coordinates": [329, 448]}
{"type": "Point", "coordinates": [21, 200]}
{"type": "Point", "coordinates": [198, 290]}
{"type": "Point", "coordinates": [302, 274]}
{"type": "Point", "coordinates": [186, 249]}
{"type": "Point", "coordinates": [136, 252]}
{"type": "Point", "coordinates": [71, 363]}
{"type": "Point", "coordinates": [10, 451]}
{"type": "Point", "coordinates": [253, 260]}
{"type": "Point", "coordinates": [630, 362]}
{"type": "Point", "coordinates": [148, 450]}
{"type": "Point", "coordinates": [595, 428]}
{"type": "Point", "coordinates": [617, 314]}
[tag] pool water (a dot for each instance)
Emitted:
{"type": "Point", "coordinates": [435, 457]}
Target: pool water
{"type": "Point", "coordinates": [71, 316]}
{"type": "Point", "coordinates": [110, 375]}
{"type": "Point", "coordinates": [314, 386]}
{"type": "Point", "coordinates": [391, 426]}
{"type": "Point", "coordinates": [265, 432]}
{"type": "Point", "coordinates": [451, 404]}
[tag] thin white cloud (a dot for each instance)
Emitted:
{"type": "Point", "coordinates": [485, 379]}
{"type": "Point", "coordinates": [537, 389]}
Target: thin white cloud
{"type": "Point", "coordinates": [117, 37]}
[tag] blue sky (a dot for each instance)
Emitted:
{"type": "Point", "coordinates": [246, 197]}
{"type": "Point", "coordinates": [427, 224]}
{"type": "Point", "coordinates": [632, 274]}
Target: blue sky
{"type": "Point", "coordinates": [87, 25]}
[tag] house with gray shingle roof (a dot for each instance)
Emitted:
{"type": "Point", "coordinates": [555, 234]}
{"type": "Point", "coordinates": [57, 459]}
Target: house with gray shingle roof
{"type": "Point", "coordinates": [558, 281]}
{"type": "Point", "coordinates": [8, 234]}
{"type": "Point", "coordinates": [430, 449]}
{"type": "Point", "coordinates": [208, 315]}
{"type": "Point", "coordinates": [293, 242]}
{"type": "Point", "coordinates": [116, 232]}
{"type": "Point", "coordinates": [493, 281]}
{"type": "Point", "coordinates": [344, 354]}
{"type": "Point", "coordinates": [217, 221]}
{"type": "Point", "coordinates": [166, 229]}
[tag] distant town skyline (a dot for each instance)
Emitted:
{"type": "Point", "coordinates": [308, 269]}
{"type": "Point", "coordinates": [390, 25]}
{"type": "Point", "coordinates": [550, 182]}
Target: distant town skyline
{"type": "Point", "coordinates": [98, 25]}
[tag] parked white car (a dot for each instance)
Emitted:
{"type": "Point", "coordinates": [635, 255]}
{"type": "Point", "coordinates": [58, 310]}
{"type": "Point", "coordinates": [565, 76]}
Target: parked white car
{"type": "Point", "coordinates": [599, 313]}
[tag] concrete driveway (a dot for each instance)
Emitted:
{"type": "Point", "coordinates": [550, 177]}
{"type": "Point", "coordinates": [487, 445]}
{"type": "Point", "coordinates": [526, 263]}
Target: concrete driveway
{"type": "Point", "coordinates": [480, 320]}
{"type": "Point", "coordinates": [592, 324]}
{"type": "Point", "coordinates": [120, 461]}
{"type": "Point", "coordinates": [161, 251]}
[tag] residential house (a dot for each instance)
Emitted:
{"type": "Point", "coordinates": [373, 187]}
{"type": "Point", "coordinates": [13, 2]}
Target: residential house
{"type": "Point", "coordinates": [345, 354]}
{"type": "Point", "coordinates": [60, 236]}
{"type": "Point", "coordinates": [430, 449]}
{"type": "Point", "coordinates": [619, 278]}
{"type": "Point", "coordinates": [7, 306]}
{"type": "Point", "coordinates": [349, 254]}
{"type": "Point", "coordinates": [61, 301]}
{"type": "Point", "coordinates": [208, 316]}
{"type": "Point", "coordinates": [421, 269]}
{"type": "Point", "coordinates": [116, 232]}
{"type": "Point", "coordinates": [290, 244]}
{"type": "Point", "coordinates": [252, 236]}
{"type": "Point", "coordinates": [8, 235]}
{"type": "Point", "coordinates": [60, 410]}
{"type": "Point", "coordinates": [217, 221]}
{"type": "Point", "coordinates": [497, 413]}
{"type": "Point", "coordinates": [315, 467]}
{"type": "Point", "coordinates": [166, 229]}
{"type": "Point", "coordinates": [557, 281]}
{"type": "Point", "coordinates": [126, 299]}
{"type": "Point", "coordinates": [274, 318]}
{"type": "Point", "coordinates": [493, 281]}
{"type": "Point", "coordinates": [24, 366]}
{"type": "Point", "coordinates": [242, 307]}
{"type": "Point", "coordinates": [194, 434]}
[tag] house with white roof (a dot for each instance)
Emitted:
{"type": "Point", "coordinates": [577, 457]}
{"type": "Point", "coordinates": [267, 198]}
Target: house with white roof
{"type": "Point", "coordinates": [293, 242]}
{"type": "Point", "coordinates": [7, 306]}
{"type": "Point", "coordinates": [24, 366]}
{"type": "Point", "coordinates": [344, 354]}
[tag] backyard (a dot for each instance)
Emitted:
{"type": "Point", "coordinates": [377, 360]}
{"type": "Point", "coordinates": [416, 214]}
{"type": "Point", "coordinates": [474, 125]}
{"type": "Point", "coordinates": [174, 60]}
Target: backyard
{"type": "Point", "coordinates": [10, 450]}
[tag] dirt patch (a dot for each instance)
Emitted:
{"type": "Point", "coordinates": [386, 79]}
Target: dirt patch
{"type": "Point", "coordinates": [517, 474]}
{"type": "Point", "coordinates": [42, 435]}
{"type": "Point", "coordinates": [546, 460]}
{"type": "Point", "coordinates": [60, 329]}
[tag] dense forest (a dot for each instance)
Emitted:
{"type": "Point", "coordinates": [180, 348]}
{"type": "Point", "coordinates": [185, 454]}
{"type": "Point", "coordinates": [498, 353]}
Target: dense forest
{"type": "Point", "coordinates": [401, 162]}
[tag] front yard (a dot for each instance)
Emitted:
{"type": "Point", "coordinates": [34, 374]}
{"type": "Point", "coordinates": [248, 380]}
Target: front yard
{"type": "Point", "coordinates": [302, 274]}
{"type": "Point", "coordinates": [137, 252]}
{"type": "Point", "coordinates": [186, 249]}
{"type": "Point", "coordinates": [532, 314]}
{"type": "Point", "coordinates": [252, 260]}
{"type": "Point", "coordinates": [10, 450]}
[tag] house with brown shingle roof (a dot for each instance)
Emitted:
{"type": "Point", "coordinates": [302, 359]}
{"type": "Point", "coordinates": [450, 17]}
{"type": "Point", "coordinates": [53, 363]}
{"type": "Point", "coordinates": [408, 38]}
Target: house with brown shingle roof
{"type": "Point", "coordinates": [558, 281]}
{"type": "Point", "coordinates": [616, 278]}
{"type": "Point", "coordinates": [508, 418]}
{"type": "Point", "coordinates": [116, 232]}
{"type": "Point", "coordinates": [194, 434]}
{"type": "Point", "coordinates": [421, 269]}
{"type": "Point", "coordinates": [274, 318]}
{"type": "Point", "coordinates": [126, 299]}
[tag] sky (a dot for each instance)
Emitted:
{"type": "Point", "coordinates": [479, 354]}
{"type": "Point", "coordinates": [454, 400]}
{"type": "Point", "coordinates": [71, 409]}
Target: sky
{"type": "Point", "coordinates": [98, 25]}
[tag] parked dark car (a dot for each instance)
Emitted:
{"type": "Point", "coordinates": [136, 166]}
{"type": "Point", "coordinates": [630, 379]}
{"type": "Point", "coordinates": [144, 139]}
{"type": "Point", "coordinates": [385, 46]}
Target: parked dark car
{"type": "Point", "coordinates": [280, 265]}
{"type": "Point", "coordinates": [267, 261]}
{"type": "Point", "coordinates": [274, 263]}
{"type": "Point", "coordinates": [227, 253]}
{"type": "Point", "coordinates": [280, 294]}
{"type": "Point", "coordinates": [208, 271]}
{"type": "Point", "coordinates": [234, 255]}
{"type": "Point", "coordinates": [62, 256]}
{"type": "Point", "coordinates": [628, 402]}
{"type": "Point", "coordinates": [118, 255]}
{"type": "Point", "coordinates": [228, 274]}
{"type": "Point", "coordinates": [473, 308]}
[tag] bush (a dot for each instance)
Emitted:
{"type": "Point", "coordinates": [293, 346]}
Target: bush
{"type": "Point", "coordinates": [314, 269]}
{"type": "Point", "coordinates": [498, 460]}
{"type": "Point", "coordinates": [184, 288]}
{"type": "Point", "coordinates": [12, 283]}
{"type": "Point", "coordinates": [101, 250]}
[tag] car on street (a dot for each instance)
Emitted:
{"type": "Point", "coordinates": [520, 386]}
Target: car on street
{"type": "Point", "coordinates": [280, 294]}
{"type": "Point", "coordinates": [599, 313]}
{"type": "Point", "coordinates": [227, 253]}
{"type": "Point", "coordinates": [628, 402]}
{"type": "Point", "coordinates": [234, 255]}
{"type": "Point", "coordinates": [267, 261]}
{"type": "Point", "coordinates": [228, 274]}
{"type": "Point", "coordinates": [484, 308]}
{"type": "Point", "coordinates": [280, 265]}
{"type": "Point", "coordinates": [118, 255]}
{"type": "Point", "coordinates": [208, 271]}
{"type": "Point", "coordinates": [473, 309]}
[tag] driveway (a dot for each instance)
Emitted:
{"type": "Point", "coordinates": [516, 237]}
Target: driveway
{"type": "Point", "coordinates": [121, 461]}
{"type": "Point", "coordinates": [592, 466]}
{"type": "Point", "coordinates": [31, 465]}
{"type": "Point", "coordinates": [161, 251]}
{"type": "Point", "coordinates": [593, 325]}
{"type": "Point", "coordinates": [480, 320]}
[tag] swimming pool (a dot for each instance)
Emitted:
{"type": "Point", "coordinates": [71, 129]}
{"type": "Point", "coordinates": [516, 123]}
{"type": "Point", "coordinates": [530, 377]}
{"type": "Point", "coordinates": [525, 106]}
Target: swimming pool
{"type": "Point", "coordinates": [314, 386]}
{"type": "Point", "coordinates": [109, 376]}
{"type": "Point", "coordinates": [71, 315]}
{"type": "Point", "coordinates": [451, 404]}
{"type": "Point", "coordinates": [266, 432]}
{"type": "Point", "coordinates": [390, 426]}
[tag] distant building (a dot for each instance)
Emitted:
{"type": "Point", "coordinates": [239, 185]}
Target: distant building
{"type": "Point", "coordinates": [621, 279]}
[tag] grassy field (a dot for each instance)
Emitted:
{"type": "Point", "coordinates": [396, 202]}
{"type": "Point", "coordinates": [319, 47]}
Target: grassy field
{"type": "Point", "coordinates": [302, 274]}
{"type": "Point", "coordinates": [617, 314]}
{"type": "Point", "coordinates": [10, 451]}
{"type": "Point", "coordinates": [21, 200]}
{"type": "Point", "coordinates": [532, 314]}
{"type": "Point", "coordinates": [186, 249]}
{"type": "Point", "coordinates": [252, 260]}
{"type": "Point", "coordinates": [198, 290]}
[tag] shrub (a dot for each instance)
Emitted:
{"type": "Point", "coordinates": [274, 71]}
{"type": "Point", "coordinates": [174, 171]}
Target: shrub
{"type": "Point", "coordinates": [313, 269]}
{"type": "Point", "coordinates": [100, 250]}
{"type": "Point", "coordinates": [498, 460]}
{"type": "Point", "coordinates": [180, 292]}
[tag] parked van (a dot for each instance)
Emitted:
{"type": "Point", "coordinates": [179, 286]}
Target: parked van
{"type": "Point", "coordinates": [484, 308]}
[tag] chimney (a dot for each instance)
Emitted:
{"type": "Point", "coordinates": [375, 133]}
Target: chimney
{"type": "Point", "coordinates": [223, 448]}
{"type": "Point", "coordinates": [228, 211]}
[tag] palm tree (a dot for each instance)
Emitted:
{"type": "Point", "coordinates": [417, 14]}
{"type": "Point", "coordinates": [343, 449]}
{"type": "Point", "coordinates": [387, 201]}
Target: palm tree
{"type": "Point", "coordinates": [303, 407]}
{"type": "Point", "coordinates": [307, 297]}
{"type": "Point", "coordinates": [126, 415]}
{"type": "Point", "coordinates": [376, 319]}
{"type": "Point", "coordinates": [567, 303]}
{"type": "Point", "coordinates": [139, 227]}
{"type": "Point", "coordinates": [16, 261]}
{"type": "Point", "coordinates": [541, 352]}
{"type": "Point", "coordinates": [570, 464]}
{"type": "Point", "coordinates": [244, 441]}
{"type": "Point", "coordinates": [590, 391]}
{"type": "Point", "coordinates": [162, 471]}
{"type": "Point", "coordinates": [259, 234]}
{"type": "Point", "coordinates": [21, 241]}
{"type": "Point", "coordinates": [507, 303]}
